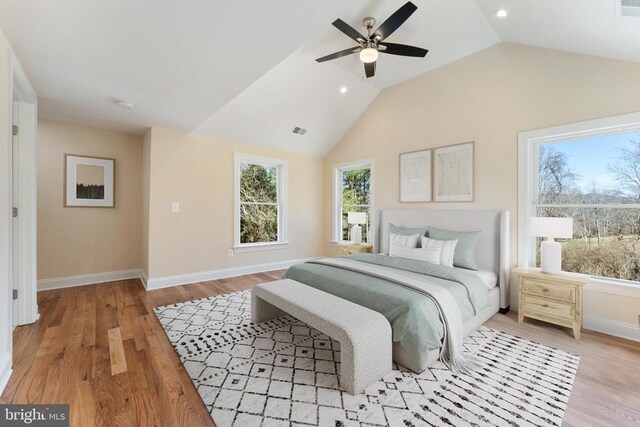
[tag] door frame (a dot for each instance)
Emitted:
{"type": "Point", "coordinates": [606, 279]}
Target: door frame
{"type": "Point", "coordinates": [27, 103]}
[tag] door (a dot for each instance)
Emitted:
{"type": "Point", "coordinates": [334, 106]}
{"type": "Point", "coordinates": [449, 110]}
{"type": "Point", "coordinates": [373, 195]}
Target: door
{"type": "Point", "coordinates": [16, 211]}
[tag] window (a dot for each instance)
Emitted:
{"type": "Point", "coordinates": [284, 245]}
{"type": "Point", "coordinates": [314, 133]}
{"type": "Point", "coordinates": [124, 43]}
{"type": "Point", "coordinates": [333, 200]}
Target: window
{"type": "Point", "coordinates": [591, 174]}
{"type": "Point", "coordinates": [353, 192]}
{"type": "Point", "coordinates": [260, 208]}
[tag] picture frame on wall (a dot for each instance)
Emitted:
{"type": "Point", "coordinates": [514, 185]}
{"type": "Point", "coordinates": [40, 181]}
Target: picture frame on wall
{"type": "Point", "coordinates": [89, 182]}
{"type": "Point", "coordinates": [415, 176]}
{"type": "Point", "coordinates": [454, 173]}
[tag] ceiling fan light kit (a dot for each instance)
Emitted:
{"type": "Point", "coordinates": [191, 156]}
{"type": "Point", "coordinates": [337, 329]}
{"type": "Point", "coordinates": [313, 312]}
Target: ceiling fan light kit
{"type": "Point", "coordinates": [370, 46]}
{"type": "Point", "coordinates": [369, 55]}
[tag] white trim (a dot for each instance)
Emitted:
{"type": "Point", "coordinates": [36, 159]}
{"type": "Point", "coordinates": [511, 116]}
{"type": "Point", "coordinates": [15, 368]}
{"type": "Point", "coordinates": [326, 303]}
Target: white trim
{"type": "Point", "coordinates": [24, 98]}
{"type": "Point", "coordinates": [612, 327]}
{"type": "Point", "coordinates": [527, 175]}
{"type": "Point", "coordinates": [336, 233]}
{"type": "Point", "coordinates": [27, 303]}
{"type": "Point", "coordinates": [185, 279]}
{"type": "Point", "coordinates": [88, 279]}
{"type": "Point", "coordinates": [283, 207]}
{"type": "Point", "coordinates": [257, 247]}
{"type": "Point", "coordinates": [5, 370]}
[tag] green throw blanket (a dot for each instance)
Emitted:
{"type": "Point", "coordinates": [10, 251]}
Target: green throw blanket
{"type": "Point", "coordinates": [414, 318]}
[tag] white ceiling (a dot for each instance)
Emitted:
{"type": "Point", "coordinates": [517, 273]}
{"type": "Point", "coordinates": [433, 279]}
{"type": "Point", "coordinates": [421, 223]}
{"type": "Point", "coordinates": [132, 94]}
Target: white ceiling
{"type": "Point", "coordinates": [294, 93]}
{"type": "Point", "coordinates": [245, 70]}
{"type": "Point", "coordinates": [301, 92]}
{"type": "Point", "coordinates": [592, 27]}
{"type": "Point", "coordinates": [178, 61]}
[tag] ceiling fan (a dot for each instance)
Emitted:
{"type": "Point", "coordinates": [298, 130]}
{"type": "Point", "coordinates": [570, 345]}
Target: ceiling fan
{"type": "Point", "coordinates": [373, 43]}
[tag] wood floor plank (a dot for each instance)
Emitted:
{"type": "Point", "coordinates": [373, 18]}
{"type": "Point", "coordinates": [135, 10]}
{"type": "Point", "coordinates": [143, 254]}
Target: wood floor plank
{"type": "Point", "coordinates": [101, 349]}
{"type": "Point", "coordinates": [84, 403]}
{"type": "Point", "coordinates": [116, 352]}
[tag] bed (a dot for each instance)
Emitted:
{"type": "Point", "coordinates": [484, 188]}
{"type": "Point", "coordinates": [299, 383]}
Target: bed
{"type": "Point", "coordinates": [416, 325]}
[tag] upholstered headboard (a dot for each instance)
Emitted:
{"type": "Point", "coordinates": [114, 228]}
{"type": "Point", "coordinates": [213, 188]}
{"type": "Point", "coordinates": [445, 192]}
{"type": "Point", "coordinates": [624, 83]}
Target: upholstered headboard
{"type": "Point", "coordinates": [492, 252]}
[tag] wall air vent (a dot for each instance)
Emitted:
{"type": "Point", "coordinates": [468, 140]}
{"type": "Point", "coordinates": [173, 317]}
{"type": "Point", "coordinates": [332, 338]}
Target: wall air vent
{"type": "Point", "coordinates": [630, 8]}
{"type": "Point", "coordinates": [299, 131]}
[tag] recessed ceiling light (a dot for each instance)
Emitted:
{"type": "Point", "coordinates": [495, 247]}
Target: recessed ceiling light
{"type": "Point", "coordinates": [501, 13]}
{"type": "Point", "coordinates": [125, 105]}
{"type": "Point", "coordinates": [343, 89]}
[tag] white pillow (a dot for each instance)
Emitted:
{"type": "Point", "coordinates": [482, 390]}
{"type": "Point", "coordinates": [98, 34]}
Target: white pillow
{"type": "Point", "coordinates": [405, 240]}
{"type": "Point", "coordinates": [430, 255]}
{"type": "Point", "coordinates": [447, 247]}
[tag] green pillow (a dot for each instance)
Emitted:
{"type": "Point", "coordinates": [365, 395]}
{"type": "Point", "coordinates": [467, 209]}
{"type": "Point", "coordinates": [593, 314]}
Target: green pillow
{"type": "Point", "coordinates": [465, 252]}
{"type": "Point", "coordinates": [403, 231]}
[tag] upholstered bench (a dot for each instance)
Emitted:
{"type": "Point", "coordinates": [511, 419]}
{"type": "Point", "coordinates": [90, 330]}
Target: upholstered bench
{"type": "Point", "coordinates": [364, 335]}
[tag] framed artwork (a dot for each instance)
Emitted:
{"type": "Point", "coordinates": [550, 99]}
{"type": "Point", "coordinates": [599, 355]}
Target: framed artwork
{"type": "Point", "coordinates": [89, 181]}
{"type": "Point", "coordinates": [453, 173]}
{"type": "Point", "coordinates": [415, 176]}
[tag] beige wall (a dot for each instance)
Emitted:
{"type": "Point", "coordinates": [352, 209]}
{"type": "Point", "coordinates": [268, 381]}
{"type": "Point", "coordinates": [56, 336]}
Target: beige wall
{"type": "Point", "coordinates": [74, 241]}
{"type": "Point", "coordinates": [487, 98]}
{"type": "Point", "coordinates": [198, 173]}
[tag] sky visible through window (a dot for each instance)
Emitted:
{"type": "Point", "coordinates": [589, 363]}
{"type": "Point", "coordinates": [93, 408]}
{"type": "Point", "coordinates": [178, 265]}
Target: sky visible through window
{"type": "Point", "coordinates": [595, 181]}
{"type": "Point", "coordinates": [590, 159]}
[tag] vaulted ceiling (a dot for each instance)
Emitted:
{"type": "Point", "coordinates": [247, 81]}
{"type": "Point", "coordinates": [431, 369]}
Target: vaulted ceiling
{"type": "Point", "coordinates": [245, 70]}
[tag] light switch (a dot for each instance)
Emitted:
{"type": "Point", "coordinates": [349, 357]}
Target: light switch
{"type": "Point", "coordinates": [175, 207]}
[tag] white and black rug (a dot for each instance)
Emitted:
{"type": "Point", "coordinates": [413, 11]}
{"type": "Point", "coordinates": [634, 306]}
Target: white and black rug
{"type": "Point", "coordinates": [284, 373]}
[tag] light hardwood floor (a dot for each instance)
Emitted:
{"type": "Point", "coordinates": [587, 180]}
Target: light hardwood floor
{"type": "Point", "coordinates": [101, 349]}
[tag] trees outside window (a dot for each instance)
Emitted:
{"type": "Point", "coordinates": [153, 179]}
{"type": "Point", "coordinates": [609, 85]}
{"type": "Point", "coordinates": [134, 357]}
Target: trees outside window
{"type": "Point", "coordinates": [353, 194]}
{"type": "Point", "coordinates": [596, 181]}
{"type": "Point", "coordinates": [259, 201]}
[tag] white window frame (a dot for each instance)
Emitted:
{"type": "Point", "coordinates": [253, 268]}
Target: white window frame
{"type": "Point", "coordinates": [338, 169]}
{"type": "Point", "coordinates": [528, 143]}
{"type": "Point", "coordinates": [283, 235]}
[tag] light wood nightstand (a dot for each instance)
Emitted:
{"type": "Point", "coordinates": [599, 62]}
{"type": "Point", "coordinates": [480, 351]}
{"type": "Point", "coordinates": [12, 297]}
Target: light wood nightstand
{"type": "Point", "coordinates": [351, 248]}
{"type": "Point", "coordinates": [553, 298]}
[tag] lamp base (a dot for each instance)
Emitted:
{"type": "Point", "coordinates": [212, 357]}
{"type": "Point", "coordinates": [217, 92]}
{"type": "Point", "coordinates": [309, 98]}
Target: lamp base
{"type": "Point", "coordinates": [551, 257]}
{"type": "Point", "coordinates": [356, 234]}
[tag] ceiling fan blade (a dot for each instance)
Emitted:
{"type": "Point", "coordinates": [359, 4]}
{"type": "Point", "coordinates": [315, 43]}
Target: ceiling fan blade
{"type": "Point", "coordinates": [349, 30]}
{"type": "Point", "coordinates": [403, 50]}
{"type": "Point", "coordinates": [340, 54]}
{"type": "Point", "coordinates": [395, 20]}
{"type": "Point", "coordinates": [370, 69]}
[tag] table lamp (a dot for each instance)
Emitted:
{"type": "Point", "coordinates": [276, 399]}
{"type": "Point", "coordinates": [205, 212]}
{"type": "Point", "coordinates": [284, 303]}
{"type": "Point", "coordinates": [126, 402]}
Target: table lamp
{"type": "Point", "coordinates": [550, 250]}
{"type": "Point", "coordinates": [355, 219]}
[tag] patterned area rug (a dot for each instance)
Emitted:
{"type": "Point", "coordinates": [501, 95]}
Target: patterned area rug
{"type": "Point", "coordinates": [284, 373]}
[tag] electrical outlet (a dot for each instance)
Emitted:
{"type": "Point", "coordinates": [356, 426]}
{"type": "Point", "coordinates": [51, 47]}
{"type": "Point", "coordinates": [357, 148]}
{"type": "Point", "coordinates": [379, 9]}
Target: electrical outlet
{"type": "Point", "coordinates": [175, 207]}
{"type": "Point", "coordinates": [230, 252]}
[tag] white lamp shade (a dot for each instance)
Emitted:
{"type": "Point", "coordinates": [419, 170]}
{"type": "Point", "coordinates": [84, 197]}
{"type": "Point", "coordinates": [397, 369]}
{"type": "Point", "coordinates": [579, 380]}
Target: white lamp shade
{"type": "Point", "coordinates": [357, 217]}
{"type": "Point", "coordinates": [557, 228]}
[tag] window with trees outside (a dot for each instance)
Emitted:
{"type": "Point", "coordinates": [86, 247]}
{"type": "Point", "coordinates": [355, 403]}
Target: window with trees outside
{"type": "Point", "coordinates": [353, 193]}
{"type": "Point", "coordinates": [260, 201]}
{"type": "Point", "coordinates": [596, 181]}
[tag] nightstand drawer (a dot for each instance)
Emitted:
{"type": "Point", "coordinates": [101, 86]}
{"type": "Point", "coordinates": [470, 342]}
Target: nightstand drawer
{"type": "Point", "coordinates": [351, 248]}
{"type": "Point", "coordinates": [549, 290]}
{"type": "Point", "coordinates": [550, 307]}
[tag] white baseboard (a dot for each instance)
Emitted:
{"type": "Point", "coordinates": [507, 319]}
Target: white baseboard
{"type": "Point", "coordinates": [162, 282]}
{"type": "Point", "coordinates": [5, 370]}
{"type": "Point", "coordinates": [185, 279]}
{"type": "Point", "coordinates": [612, 327]}
{"type": "Point", "coordinates": [88, 279]}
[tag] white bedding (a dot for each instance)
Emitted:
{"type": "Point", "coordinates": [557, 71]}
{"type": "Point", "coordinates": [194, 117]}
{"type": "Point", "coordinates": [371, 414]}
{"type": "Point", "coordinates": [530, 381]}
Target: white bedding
{"type": "Point", "coordinates": [488, 277]}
